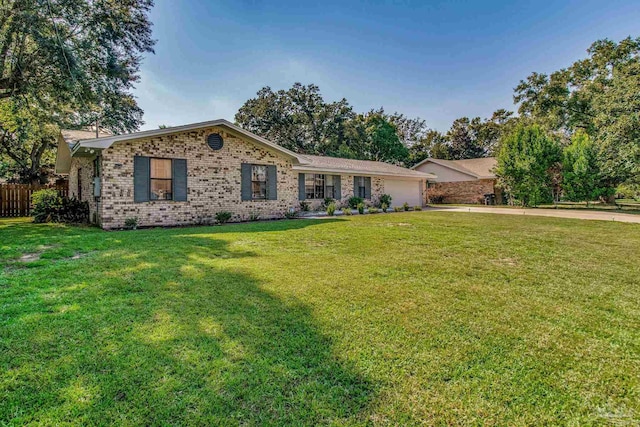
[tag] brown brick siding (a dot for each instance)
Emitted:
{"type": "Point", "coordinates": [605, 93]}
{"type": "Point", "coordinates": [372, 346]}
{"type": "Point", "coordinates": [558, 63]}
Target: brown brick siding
{"type": "Point", "coordinates": [462, 191]}
{"type": "Point", "coordinates": [213, 181]}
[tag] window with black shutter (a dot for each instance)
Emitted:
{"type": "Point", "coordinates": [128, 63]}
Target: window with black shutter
{"type": "Point", "coordinates": [258, 182]}
{"type": "Point", "coordinates": [161, 181]}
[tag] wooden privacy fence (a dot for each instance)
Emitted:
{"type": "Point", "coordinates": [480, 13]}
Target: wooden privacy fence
{"type": "Point", "coordinates": [15, 199]}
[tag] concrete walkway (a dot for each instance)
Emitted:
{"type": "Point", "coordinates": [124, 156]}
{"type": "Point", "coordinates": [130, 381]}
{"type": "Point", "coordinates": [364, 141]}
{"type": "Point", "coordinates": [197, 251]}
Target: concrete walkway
{"type": "Point", "coordinates": [556, 213]}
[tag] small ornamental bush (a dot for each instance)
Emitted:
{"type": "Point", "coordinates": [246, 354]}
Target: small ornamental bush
{"type": "Point", "coordinates": [417, 208]}
{"type": "Point", "coordinates": [331, 209]}
{"type": "Point", "coordinates": [291, 214]}
{"type": "Point", "coordinates": [131, 223]}
{"type": "Point", "coordinates": [628, 191]}
{"type": "Point", "coordinates": [223, 216]}
{"type": "Point", "coordinates": [360, 208]}
{"type": "Point", "coordinates": [327, 201]}
{"type": "Point", "coordinates": [436, 196]}
{"type": "Point", "coordinates": [347, 211]}
{"type": "Point", "coordinates": [45, 204]}
{"type": "Point", "coordinates": [373, 210]}
{"type": "Point", "coordinates": [398, 208]}
{"type": "Point", "coordinates": [73, 211]}
{"type": "Point", "coordinates": [254, 216]}
{"type": "Point", "coordinates": [384, 207]}
{"type": "Point", "coordinates": [405, 206]}
{"type": "Point", "coordinates": [304, 206]}
{"type": "Point", "coordinates": [48, 206]}
{"type": "Point", "coordinates": [355, 201]}
{"type": "Point", "coordinates": [385, 199]}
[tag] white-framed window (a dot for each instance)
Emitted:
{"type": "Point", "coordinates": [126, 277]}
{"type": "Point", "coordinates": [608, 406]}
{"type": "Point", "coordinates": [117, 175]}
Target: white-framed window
{"type": "Point", "coordinates": [161, 181]}
{"type": "Point", "coordinates": [329, 187]}
{"type": "Point", "coordinates": [361, 189]}
{"type": "Point", "coordinates": [258, 182]}
{"type": "Point", "coordinates": [314, 186]}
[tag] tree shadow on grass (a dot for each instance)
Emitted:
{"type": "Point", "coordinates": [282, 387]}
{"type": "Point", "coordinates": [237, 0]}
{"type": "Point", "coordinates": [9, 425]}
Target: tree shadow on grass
{"type": "Point", "coordinates": [169, 337]}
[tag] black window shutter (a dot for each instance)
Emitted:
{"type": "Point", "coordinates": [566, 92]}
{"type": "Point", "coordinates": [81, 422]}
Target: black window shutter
{"type": "Point", "coordinates": [179, 175]}
{"type": "Point", "coordinates": [141, 188]}
{"type": "Point", "coordinates": [302, 194]}
{"type": "Point", "coordinates": [355, 187]}
{"type": "Point", "coordinates": [367, 188]}
{"type": "Point", "coordinates": [245, 172]}
{"type": "Point", "coordinates": [272, 182]}
{"type": "Point", "coordinates": [337, 186]}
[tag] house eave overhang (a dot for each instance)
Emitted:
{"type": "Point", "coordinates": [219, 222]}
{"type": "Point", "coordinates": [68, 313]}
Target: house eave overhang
{"type": "Point", "coordinates": [417, 176]}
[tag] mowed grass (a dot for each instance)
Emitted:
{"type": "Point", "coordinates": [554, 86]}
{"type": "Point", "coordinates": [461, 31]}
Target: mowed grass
{"type": "Point", "coordinates": [390, 319]}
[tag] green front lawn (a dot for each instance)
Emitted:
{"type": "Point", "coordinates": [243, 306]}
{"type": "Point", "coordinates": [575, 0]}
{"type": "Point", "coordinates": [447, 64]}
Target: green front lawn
{"type": "Point", "coordinates": [388, 319]}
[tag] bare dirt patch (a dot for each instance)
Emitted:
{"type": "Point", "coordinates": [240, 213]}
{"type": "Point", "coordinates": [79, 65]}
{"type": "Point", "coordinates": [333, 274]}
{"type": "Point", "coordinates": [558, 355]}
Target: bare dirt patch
{"type": "Point", "coordinates": [34, 256]}
{"type": "Point", "coordinates": [30, 257]}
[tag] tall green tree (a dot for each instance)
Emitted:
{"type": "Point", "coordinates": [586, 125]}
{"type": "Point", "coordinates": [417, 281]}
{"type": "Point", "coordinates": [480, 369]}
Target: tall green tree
{"type": "Point", "coordinates": [71, 63]}
{"type": "Point", "coordinates": [489, 132]}
{"type": "Point", "coordinates": [527, 164]}
{"type": "Point", "coordinates": [28, 136]}
{"type": "Point", "coordinates": [472, 138]}
{"type": "Point", "coordinates": [410, 130]}
{"type": "Point", "coordinates": [433, 144]}
{"type": "Point", "coordinates": [383, 142]}
{"type": "Point", "coordinates": [581, 175]}
{"type": "Point", "coordinates": [463, 142]}
{"type": "Point", "coordinates": [440, 149]}
{"type": "Point", "coordinates": [598, 94]}
{"type": "Point", "coordinates": [298, 119]}
{"type": "Point", "coordinates": [301, 120]}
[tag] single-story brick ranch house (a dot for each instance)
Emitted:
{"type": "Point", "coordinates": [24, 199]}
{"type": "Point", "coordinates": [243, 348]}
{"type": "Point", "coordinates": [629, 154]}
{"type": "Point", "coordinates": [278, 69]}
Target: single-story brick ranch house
{"type": "Point", "coordinates": [462, 181]}
{"type": "Point", "coordinates": [186, 174]}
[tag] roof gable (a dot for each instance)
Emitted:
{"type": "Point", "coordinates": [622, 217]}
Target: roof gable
{"type": "Point", "coordinates": [106, 142]}
{"type": "Point", "coordinates": [480, 168]}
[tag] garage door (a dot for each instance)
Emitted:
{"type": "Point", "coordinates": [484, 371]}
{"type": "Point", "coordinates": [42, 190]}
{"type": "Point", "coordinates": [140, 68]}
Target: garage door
{"type": "Point", "coordinates": [402, 192]}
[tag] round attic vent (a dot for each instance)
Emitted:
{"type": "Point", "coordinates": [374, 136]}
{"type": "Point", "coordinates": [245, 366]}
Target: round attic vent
{"type": "Point", "coordinates": [214, 141]}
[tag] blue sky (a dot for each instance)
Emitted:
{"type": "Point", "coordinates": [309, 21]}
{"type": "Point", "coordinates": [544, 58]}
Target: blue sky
{"type": "Point", "coordinates": [433, 59]}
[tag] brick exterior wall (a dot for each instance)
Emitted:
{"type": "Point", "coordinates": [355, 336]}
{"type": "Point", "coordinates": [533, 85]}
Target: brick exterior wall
{"type": "Point", "coordinates": [213, 181]}
{"type": "Point", "coordinates": [463, 191]}
{"type": "Point", "coordinates": [346, 191]}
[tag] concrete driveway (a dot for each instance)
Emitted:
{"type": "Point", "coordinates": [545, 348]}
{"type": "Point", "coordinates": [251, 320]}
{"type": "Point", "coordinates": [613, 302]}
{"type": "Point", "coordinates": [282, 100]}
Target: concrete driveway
{"type": "Point", "coordinates": [556, 213]}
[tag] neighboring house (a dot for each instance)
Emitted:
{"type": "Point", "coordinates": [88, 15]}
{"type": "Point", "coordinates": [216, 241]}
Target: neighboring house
{"type": "Point", "coordinates": [185, 174]}
{"type": "Point", "coordinates": [461, 181]}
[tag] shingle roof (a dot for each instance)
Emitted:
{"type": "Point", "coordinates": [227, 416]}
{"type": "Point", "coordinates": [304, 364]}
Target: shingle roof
{"type": "Point", "coordinates": [71, 136]}
{"type": "Point", "coordinates": [304, 162]}
{"type": "Point", "coordinates": [331, 164]}
{"type": "Point", "coordinates": [481, 168]}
